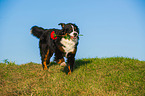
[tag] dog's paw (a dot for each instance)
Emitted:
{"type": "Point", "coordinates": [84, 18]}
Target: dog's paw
{"type": "Point", "coordinates": [45, 68]}
{"type": "Point", "coordinates": [69, 72]}
{"type": "Point", "coordinates": [63, 64]}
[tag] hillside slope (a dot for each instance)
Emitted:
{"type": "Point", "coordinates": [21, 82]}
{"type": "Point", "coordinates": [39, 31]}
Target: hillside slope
{"type": "Point", "coordinates": [95, 76]}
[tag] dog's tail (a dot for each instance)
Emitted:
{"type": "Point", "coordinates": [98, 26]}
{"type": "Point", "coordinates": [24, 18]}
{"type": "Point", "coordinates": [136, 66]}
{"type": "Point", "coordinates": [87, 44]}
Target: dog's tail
{"type": "Point", "coordinates": [37, 31]}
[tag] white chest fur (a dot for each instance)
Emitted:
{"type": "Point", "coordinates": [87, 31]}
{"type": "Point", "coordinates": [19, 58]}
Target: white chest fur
{"type": "Point", "coordinates": [68, 45]}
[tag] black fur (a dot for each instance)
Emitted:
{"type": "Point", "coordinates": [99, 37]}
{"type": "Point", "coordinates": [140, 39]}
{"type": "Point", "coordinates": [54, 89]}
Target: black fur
{"type": "Point", "coordinates": [48, 46]}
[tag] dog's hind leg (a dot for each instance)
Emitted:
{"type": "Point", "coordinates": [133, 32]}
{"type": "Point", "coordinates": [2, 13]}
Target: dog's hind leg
{"type": "Point", "coordinates": [45, 59]}
{"type": "Point", "coordinates": [48, 57]}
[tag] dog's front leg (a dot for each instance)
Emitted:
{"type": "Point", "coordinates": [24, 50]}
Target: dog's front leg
{"type": "Point", "coordinates": [70, 62]}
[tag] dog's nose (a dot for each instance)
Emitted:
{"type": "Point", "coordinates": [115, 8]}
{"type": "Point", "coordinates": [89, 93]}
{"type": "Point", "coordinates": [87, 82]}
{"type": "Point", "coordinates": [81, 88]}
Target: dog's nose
{"type": "Point", "coordinates": [75, 34]}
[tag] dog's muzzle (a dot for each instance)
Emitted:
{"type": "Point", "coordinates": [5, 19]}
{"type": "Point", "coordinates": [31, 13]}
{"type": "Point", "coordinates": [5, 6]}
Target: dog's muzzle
{"type": "Point", "coordinates": [74, 35]}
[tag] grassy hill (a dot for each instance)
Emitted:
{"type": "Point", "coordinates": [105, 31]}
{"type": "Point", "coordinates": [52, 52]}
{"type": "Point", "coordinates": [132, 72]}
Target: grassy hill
{"type": "Point", "coordinates": [106, 76]}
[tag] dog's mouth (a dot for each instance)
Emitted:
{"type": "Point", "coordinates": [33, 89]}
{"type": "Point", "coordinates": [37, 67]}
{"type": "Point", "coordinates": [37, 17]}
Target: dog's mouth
{"type": "Point", "coordinates": [74, 35]}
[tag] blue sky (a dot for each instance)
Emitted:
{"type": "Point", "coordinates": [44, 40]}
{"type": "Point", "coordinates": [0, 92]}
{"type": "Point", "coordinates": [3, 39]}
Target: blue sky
{"type": "Point", "coordinates": [110, 27]}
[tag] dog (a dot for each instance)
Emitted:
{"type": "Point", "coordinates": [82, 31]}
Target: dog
{"type": "Point", "coordinates": [61, 42]}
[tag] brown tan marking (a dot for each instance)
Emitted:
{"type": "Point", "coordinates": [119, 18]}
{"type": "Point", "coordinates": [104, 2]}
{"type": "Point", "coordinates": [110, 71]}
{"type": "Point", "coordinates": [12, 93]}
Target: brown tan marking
{"type": "Point", "coordinates": [74, 51]}
{"type": "Point", "coordinates": [69, 70]}
{"type": "Point", "coordinates": [60, 61]}
{"type": "Point", "coordinates": [60, 48]}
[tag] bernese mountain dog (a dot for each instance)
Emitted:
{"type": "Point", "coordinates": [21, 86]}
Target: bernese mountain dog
{"type": "Point", "coordinates": [63, 42]}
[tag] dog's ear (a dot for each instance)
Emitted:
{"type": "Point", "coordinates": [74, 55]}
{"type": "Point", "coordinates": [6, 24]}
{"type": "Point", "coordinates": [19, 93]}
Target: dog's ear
{"type": "Point", "coordinates": [62, 24]}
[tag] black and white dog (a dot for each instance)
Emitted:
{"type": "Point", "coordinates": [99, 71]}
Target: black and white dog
{"type": "Point", "coordinates": [63, 42]}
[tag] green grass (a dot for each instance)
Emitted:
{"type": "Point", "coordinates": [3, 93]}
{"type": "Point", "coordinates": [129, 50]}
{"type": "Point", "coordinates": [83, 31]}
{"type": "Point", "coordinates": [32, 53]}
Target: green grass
{"type": "Point", "coordinates": [115, 76]}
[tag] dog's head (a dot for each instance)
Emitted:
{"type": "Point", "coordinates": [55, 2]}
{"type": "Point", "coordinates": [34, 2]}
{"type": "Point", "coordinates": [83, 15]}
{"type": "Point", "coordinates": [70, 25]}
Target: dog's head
{"type": "Point", "coordinates": [70, 29]}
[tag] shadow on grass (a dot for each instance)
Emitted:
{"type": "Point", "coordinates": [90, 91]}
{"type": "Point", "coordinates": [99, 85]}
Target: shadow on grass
{"type": "Point", "coordinates": [78, 64]}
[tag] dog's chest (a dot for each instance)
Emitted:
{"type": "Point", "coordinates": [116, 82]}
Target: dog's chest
{"type": "Point", "coordinates": [68, 45]}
